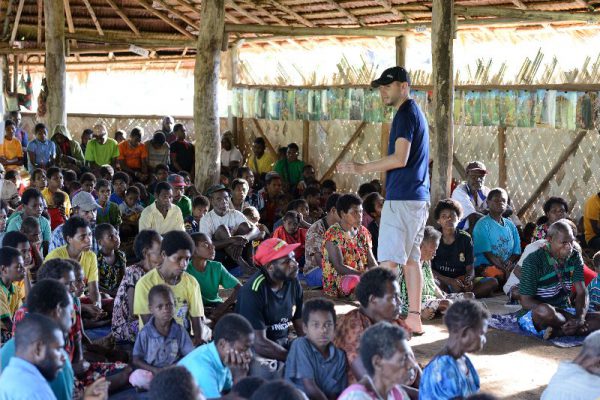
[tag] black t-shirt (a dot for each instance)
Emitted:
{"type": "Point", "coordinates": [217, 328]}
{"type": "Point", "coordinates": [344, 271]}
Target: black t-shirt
{"type": "Point", "coordinates": [184, 154]}
{"type": "Point", "coordinates": [374, 231]}
{"type": "Point", "coordinates": [267, 309]}
{"type": "Point", "coordinates": [452, 260]}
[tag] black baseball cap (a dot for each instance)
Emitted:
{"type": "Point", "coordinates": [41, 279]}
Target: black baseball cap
{"type": "Point", "coordinates": [390, 75]}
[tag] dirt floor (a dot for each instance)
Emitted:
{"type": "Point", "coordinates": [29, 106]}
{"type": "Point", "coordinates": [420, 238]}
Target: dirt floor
{"type": "Point", "coordinates": [510, 366]}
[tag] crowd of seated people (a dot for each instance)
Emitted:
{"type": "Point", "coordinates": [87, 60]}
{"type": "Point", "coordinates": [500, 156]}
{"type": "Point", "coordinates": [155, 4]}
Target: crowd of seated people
{"type": "Point", "coordinates": [116, 272]}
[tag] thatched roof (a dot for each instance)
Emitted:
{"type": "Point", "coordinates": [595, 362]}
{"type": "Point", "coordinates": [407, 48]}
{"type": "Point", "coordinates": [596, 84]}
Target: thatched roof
{"type": "Point", "coordinates": [168, 28]}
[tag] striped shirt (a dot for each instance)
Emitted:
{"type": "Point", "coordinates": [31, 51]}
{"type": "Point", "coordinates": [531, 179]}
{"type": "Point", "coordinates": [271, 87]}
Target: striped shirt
{"type": "Point", "coordinates": [539, 278]}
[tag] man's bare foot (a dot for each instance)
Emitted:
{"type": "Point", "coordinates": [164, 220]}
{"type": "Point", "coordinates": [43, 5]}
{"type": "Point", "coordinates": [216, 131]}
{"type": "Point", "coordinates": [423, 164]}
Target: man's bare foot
{"type": "Point", "coordinates": [414, 323]}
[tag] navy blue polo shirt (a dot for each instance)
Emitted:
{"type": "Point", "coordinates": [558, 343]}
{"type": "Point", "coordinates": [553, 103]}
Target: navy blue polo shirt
{"type": "Point", "coordinates": [412, 181]}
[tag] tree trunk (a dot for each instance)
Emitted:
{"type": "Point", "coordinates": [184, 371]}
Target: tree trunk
{"type": "Point", "coordinates": [442, 35]}
{"type": "Point", "coordinates": [206, 80]}
{"type": "Point", "coordinates": [56, 76]}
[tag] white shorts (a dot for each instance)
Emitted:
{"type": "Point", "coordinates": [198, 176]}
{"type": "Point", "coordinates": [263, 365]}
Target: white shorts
{"type": "Point", "coordinates": [401, 230]}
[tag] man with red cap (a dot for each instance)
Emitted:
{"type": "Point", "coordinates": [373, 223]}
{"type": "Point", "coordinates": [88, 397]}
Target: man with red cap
{"type": "Point", "coordinates": [270, 300]}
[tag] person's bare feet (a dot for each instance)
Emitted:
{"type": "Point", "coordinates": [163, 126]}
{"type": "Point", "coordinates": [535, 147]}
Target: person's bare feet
{"type": "Point", "coordinates": [414, 323]}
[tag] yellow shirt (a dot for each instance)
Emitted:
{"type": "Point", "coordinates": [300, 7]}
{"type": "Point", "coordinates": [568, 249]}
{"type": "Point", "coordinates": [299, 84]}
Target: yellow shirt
{"type": "Point", "coordinates": [48, 197]}
{"type": "Point", "coordinates": [151, 218]}
{"type": "Point", "coordinates": [11, 149]}
{"type": "Point", "coordinates": [88, 262]}
{"type": "Point", "coordinates": [10, 299]}
{"type": "Point", "coordinates": [188, 299]}
{"type": "Point", "coordinates": [591, 212]}
{"type": "Point", "coordinates": [262, 165]}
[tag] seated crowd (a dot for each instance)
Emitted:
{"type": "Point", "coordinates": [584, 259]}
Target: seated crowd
{"type": "Point", "coordinates": [116, 273]}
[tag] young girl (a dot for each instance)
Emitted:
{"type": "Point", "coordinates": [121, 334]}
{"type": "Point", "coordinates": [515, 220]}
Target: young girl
{"type": "Point", "coordinates": [291, 233]}
{"type": "Point", "coordinates": [450, 374]}
{"type": "Point", "coordinates": [109, 212]}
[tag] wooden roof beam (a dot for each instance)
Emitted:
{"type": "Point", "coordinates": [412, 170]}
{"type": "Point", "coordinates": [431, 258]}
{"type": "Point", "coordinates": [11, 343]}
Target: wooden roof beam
{"type": "Point", "coordinates": [69, 16]}
{"type": "Point", "coordinates": [386, 4]}
{"type": "Point", "coordinates": [528, 14]}
{"type": "Point", "coordinates": [165, 18]}
{"type": "Point", "coordinates": [124, 17]}
{"type": "Point", "coordinates": [316, 31]}
{"type": "Point", "coordinates": [346, 13]}
{"type": "Point", "coordinates": [519, 4]}
{"type": "Point", "coordinates": [40, 29]}
{"type": "Point", "coordinates": [291, 12]}
{"type": "Point", "coordinates": [13, 34]}
{"type": "Point", "coordinates": [179, 14]}
{"type": "Point", "coordinates": [93, 15]}
{"type": "Point", "coordinates": [244, 12]}
{"type": "Point", "coordinates": [261, 9]}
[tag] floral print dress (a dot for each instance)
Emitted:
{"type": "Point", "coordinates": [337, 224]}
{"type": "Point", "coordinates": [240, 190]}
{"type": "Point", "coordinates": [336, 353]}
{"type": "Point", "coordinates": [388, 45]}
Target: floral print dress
{"type": "Point", "coordinates": [355, 251]}
{"type": "Point", "coordinates": [124, 326]}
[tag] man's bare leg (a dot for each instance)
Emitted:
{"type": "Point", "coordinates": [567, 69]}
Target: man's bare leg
{"type": "Point", "coordinates": [414, 284]}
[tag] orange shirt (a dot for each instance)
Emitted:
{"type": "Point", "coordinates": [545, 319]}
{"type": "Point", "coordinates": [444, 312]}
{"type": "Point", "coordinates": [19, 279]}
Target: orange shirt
{"type": "Point", "coordinates": [132, 156]}
{"type": "Point", "coordinates": [11, 149]}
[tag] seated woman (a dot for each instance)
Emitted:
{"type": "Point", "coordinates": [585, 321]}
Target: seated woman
{"type": "Point", "coordinates": [555, 208]}
{"type": "Point", "coordinates": [453, 262]}
{"type": "Point", "coordinates": [347, 249]}
{"type": "Point", "coordinates": [496, 240]}
{"type": "Point", "coordinates": [450, 374]}
{"type": "Point", "coordinates": [389, 362]}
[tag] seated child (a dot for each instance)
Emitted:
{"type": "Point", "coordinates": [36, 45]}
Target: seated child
{"type": "Point", "coordinates": [174, 383]}
{"type": "Point", "coordinates": [314, 364]}
{"type": "Point", "coordinates": [88, 183]}
{"type": "Point", "coordinates": [451, 374]}
{"type": "Point", "coordinates": [211, 275]}
{"type": "Point", "coordinates": [433, 300]}
{"type": "Point", "coordinates": [57, 209]}
{"type": "Point", "coordinates": [131, 210]}
{"type": "Point", "coordinates": [111, 260]}
{"type": "Point", "coordinates": [313, 199]}
{"type": "Point", "coordinates": [373, 204]}
{"type": "Point", "coordinates": [200, 207]}
{"type": "Point", "coordinates": [120, 184]}
{"type": "Point", "coordinates": [11, 294]}
{"type": "Point", "coordinates": [298, 205]}
{"type": "Point", "coordinates": [107, 172]}
{"type": "Point", "coordinates": [291, 233]}
{"type": "Point", "coordinates": [162, 342]}
{"type": "Point", "coordinates": [253, 216]}
{"type": "Point", "coordinates": [108, 213]}
{"type": "Point", "coordinates": [145, 198]}
{"type": "Point", "coordinates": [594, 286]}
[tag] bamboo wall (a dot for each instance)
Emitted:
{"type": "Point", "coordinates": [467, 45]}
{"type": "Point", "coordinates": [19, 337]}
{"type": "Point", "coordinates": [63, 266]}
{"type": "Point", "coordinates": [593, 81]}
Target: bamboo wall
{"type": "Point", "coordinates": [530, 152]}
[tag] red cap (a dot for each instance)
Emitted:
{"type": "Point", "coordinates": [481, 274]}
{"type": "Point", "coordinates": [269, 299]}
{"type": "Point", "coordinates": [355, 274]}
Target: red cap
{"type": "Point", "coordinates": [272, 249]}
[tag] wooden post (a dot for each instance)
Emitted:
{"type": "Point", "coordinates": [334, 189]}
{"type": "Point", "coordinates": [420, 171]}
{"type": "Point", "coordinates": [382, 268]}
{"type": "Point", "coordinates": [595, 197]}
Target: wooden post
{"type": "Point", "coordinates": [401, 50]}
{"type": "Point", "coordinates": [15, 73]}
{"type": "Point", "coordinates": [56, 77]}
{"type": "Point", "coordinates": [206, 80]}
{"type": "Point", "coordinates": [305, 140]}
{"type": "Point", "coordinates": [442, 35]}
{"type": "Point", "coordinates": [502, 171]}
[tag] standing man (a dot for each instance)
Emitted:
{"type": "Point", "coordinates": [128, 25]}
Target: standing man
{"type": "Point", "coordinates": [406, 204]}
{"type": "Point", "coordinates": [167, 129]}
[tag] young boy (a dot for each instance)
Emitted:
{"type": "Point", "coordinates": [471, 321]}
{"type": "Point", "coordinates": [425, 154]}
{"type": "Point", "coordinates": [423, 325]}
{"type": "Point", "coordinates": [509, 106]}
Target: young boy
{"type": "Point", "coordinates": [199, 209]}
{"type": "Point", "coordinates": [211, 275]}
{"type": "Point", "coordinates": [313, 198]}
{"type": "Point", "coordinates": [291, 233]}
{"type": "Point", "coordinates": [57, 209]}
{"type": "Point", "coordinates": [120, 183]}
{"type": "Point", "coordinates": [161, 173]}
{"type": "Point", "coordinates": [107, 172]}
{"type": "Point", "coordinates": [55, 184]}
{"type": "Point", "coordinates": [162, 342]}
{"type": "Point", "coordinates": [314, 364]}
{"type": "Point", "coordinates": [145, 198]}
{"type": "Point", "coordinates": [373, 204]}
{"type": "Point", "coordinates": [11, 294]}
{"type": "Point", "coordinates": [108, 213]}
{"type": "Point", "coordinates": [111, 261]}
{"type": "Point", "coordinates": [131, 209]}
{"type": "Point", "coordinates": [433, 300]}
{"type": "Point", "coordinates": [88, 183]}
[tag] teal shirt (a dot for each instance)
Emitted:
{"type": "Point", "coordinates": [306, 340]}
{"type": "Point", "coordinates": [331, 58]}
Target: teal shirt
{"type": "Point", "coordinates": [208, 370]}
{"type": "Point", "coordinates": [14, 224]}
{"type": "Point", "coordinates": [62, 385]}
{"type": "Point", "coordinates": [214, 275]}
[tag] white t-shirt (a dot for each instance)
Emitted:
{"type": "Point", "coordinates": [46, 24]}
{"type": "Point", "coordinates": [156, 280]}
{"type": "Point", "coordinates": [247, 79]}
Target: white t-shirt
{"type": "Point", "coordinates": [572, 382]}
{"type": "Point", "coordinates": [8, 190]}
{"type": "Point", "coordinates": [211, 221]}
{"type": "Point", "coordinates": [232, 155]}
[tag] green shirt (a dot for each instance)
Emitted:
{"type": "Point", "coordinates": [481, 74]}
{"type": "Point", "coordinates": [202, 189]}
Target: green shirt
{"type": "Point", "coordinates": [185, 204]}
{"type": "Point", "coordinates": [102, 154]}
{"type": "Point", "coordinates": [62, 385]}
{"type": "Point", "coordinates": [290, 172]}
{"type": "Point", "coordinates": [214, 275]}
{"type": "Point", "coordinates": [539, 277]}
{"type": "Point", "coordinates": [109, 214]}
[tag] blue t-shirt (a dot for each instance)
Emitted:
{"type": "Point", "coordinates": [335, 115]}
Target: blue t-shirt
{"type": "Point", "coordinates": [62, 385]}
{"type": "Point", "coordinates": [209, 372]}
{"type": "Point", "coordinates": [21, 380]}
{"type": "Point", "coordinates": [491, 237]}
{"type": "Point", "coordinates": [44, 151]}
{"type": "Point", "coordinates": [443, 379]}
{"type": "Point", "coordinates": [412, 181]}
